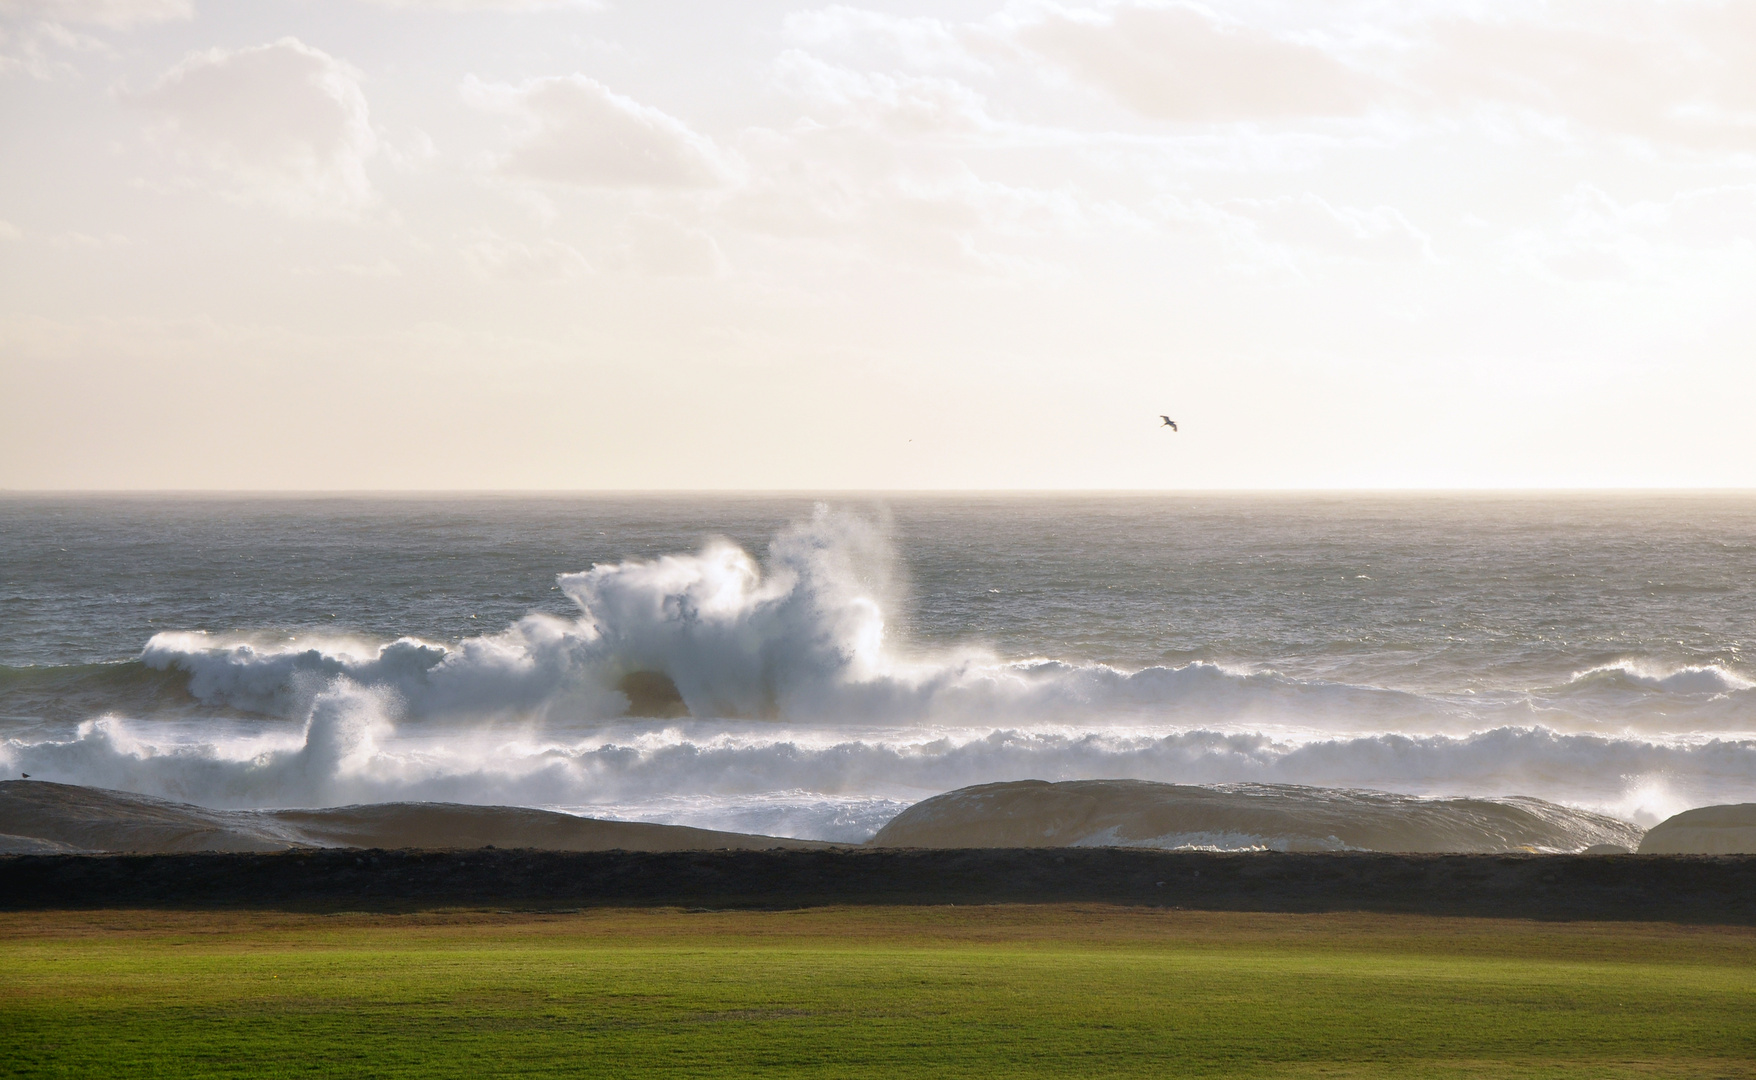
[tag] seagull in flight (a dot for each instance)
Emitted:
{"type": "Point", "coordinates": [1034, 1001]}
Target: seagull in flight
{"type": "Point", "coordinates": [1168, 422]}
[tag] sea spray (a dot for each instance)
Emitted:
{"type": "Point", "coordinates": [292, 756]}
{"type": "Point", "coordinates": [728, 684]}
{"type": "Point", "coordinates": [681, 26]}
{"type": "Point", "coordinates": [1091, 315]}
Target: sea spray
{"type": "Point", "coordinates": [696, 685]}
{"type": "Point", "coordinates": [709, 775]}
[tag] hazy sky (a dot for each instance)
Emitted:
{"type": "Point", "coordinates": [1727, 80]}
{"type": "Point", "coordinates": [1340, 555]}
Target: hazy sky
{"type": "Point", "coordinates": [478, 244]}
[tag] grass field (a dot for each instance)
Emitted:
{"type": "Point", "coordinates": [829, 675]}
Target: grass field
{"type": "Point", "coordinates": [880, 992]}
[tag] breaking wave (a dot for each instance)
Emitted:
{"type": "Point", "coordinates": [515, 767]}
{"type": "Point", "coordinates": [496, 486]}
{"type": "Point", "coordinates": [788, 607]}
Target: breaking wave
{"type": "Point", "coordinates": [802, 637]}
{"type": "Point", "coordinates": [688, 686]}
{"type": "Point", "coordinates": [1710, 679]}
{"type": "Point", "coordinates": [707, 776]}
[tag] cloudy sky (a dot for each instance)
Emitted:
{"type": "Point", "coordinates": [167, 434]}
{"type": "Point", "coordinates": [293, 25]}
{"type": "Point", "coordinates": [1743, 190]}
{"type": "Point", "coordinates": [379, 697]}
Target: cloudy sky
{"type": "Point", "coordinates": [327, 244]}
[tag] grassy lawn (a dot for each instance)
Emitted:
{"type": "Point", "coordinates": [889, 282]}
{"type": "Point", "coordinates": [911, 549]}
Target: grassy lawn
{"type": "Point", "coordinates": [892, 992]}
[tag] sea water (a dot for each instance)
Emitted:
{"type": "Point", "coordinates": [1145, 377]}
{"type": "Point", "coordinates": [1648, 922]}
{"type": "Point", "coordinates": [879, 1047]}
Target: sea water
{"type": "Point", "coordinates": [810, 666]}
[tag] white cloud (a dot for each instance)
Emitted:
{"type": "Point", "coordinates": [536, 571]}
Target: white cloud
{"type": "Point", "coordinates": [492, 5]}
{"type": "Point", "coordinates": [1682, 73]}
{"type": "Point", "coordinates": [1670, 73]}
{"type": "Point", "coordinates": [662, 247]}
{"type": "Point", "coordinates": [908, 105]}
{"type": "Point", "coordinates": [283, 124]}
{"type": "Point", "coordinates": [940, 216]}
{"type": "Point", "coordinates": [41, 49]}
{"type": "Point", "coordinates": [575, 130]}
{"type": "Point", "coordinates": [9, 231]}
{"type": "Point", "coordinates": [121, 14]}
{"type": "Point", "coordinates": [917, 42]}
{"type": "Point", "coordinates": [37, 36]}
{"type": "Point", "coordinates": [1313, 225]}
{"type": "Point", "coordinates": [1594, 238]}
{"type": "Point", "coordinates": [1181, 62]}
{"type": "Point", "coordinates": [1712, 217]}
{"type": "Point", "coordinates": [88, 241]}
{"type": "Point", "coordinates": [497, 258]}
{"type": "Point", "coordinates": [116, 14]}
{"type": "Point", "coordinates": [1105, 192]}
{"type": "Point", "coordinates": [382, 270]}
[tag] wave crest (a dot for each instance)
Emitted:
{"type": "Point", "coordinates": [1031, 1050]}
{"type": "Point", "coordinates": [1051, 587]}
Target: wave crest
{"type": "Point", "coordinates": [715, 676]}
{"type": "Point", "coordinates": [1684, 679]}
{"type": "Point", "coordinates": [348, 753]}
{"type": "Point", "coordinates": [799, 637]}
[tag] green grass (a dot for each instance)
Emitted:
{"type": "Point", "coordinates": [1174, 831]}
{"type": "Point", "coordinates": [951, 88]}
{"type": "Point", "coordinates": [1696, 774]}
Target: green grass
{"type": "Point", "coordinates": [868, 992]}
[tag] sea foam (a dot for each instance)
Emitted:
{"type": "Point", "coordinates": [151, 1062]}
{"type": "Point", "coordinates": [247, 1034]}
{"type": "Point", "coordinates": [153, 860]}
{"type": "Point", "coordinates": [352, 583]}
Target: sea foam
{"type": "Point", "coordinates": [699, 682]}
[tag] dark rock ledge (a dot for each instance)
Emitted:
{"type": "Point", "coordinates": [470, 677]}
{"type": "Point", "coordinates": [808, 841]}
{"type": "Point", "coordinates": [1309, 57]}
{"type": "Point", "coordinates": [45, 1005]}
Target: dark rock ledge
{"type": "Point", "coordinates": [1677, 888]}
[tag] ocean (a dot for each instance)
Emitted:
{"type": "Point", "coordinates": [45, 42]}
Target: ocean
{"type": "Point", "coordinates": [810, 667]}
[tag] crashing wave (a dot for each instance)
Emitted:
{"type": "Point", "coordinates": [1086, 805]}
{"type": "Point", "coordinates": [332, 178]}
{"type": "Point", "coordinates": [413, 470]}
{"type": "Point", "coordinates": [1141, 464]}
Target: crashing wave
{"type": "Point", "coordinates": [802, 636]}
{"type": "Point", "coordinates": [1710, 679]}
{"type": "Point", "coordinates": [719, 677]}
{"type": "Point", "coordinates": [348, 753]}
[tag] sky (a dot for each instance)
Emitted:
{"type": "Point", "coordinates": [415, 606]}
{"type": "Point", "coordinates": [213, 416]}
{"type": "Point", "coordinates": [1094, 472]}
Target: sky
{"type": "Point", "coordinates": [516, 244]}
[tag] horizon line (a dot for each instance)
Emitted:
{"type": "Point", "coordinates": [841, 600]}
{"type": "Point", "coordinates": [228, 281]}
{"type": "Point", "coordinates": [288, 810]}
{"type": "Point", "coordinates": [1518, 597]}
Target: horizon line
{"type": "Point", "coordinates": [805, 492]}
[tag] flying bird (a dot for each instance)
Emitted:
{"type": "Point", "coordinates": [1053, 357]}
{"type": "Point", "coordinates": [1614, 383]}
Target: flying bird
{"type": "Point", "coordinates": [1168, 422]}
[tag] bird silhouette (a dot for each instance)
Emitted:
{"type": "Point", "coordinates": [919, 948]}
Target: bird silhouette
{"type": "Point", "coordinates": [25, 775]}
{"type": "Point", "coordinates": [1168, 422]}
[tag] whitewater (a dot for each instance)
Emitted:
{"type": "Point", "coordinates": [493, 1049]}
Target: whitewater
{"type": "Point", "coordinates": [811, 668]}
